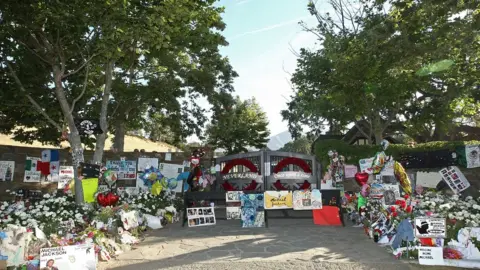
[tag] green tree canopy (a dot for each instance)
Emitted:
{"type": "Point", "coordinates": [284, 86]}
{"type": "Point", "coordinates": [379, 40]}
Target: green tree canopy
{"type": "Point", "coordinates": [242, 126]}
{"type": "Point", "coordinates": [369, 70]}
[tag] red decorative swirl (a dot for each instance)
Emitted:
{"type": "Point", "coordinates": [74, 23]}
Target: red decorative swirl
{"type": "Point", "coordinates": [239, 161]}
{"type": "Point", "coordinates": [294, 161]}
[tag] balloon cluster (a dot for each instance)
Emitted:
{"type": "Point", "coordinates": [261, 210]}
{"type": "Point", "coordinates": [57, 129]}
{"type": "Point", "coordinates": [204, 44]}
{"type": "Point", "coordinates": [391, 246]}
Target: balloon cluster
{"type": "Point", "coordinates": [150, 176]}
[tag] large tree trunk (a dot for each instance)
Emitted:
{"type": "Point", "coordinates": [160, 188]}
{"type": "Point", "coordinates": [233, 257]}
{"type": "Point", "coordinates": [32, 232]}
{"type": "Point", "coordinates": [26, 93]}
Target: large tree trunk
{"type": "Point", "coordinates": [119, 140]}
{"type": "Point", "coordinates": [100, 145]}
{"type": "Point", "coordinates": [74, 137]}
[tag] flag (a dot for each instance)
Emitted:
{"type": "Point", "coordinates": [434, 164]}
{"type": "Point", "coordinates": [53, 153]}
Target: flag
{"type": "Point", "coordinates": [31, 164]}
{"type": "Point", "coordinates": [50, 163]}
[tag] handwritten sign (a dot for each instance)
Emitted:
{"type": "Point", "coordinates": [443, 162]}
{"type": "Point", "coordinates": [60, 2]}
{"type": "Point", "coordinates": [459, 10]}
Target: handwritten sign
{"type": "Point", "coordinates": [65, 175]}
{"type": "Point", "coordinates": [426, 227]}
{"type": "Point", "coordinates": [125, 169]}
{"type": "Point", "coordinates": [278, 200]}
{"type": "Point", "coordinates": [430, 255]}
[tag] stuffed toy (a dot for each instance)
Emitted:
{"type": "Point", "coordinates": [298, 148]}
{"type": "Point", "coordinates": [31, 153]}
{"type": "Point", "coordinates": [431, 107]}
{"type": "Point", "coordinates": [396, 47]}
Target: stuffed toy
{"type": "Point", "coordinates": [195, 171]}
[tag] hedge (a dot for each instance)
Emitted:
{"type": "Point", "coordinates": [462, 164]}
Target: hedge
{"type": "Point", "coordinates": [353, 153]}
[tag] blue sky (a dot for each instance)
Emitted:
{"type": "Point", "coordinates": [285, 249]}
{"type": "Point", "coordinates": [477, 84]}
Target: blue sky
{"type": "Point", "coordinates": [260, 33]}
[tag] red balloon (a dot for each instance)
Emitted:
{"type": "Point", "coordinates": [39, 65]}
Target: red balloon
{"type": "Point", "coordinates": [101, 199]}
{"type": "Point", "coordinates": [361, 178]}
{"type": "Point", "coordinates": [112, 199]}
{"type": "Point", "coordinates": [107, 200]}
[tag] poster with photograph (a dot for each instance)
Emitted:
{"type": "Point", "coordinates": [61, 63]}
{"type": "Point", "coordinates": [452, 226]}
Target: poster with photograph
{"type": "Point", "coordinates": [32, 172]}
{"type": "Point", "coordinates": [146, 163]}
{"type": "Point", "coordinates": [7, 168]}
{"type": "Point", "coordinates": [278, 199]}
{"type": "Point", "coordinates": [307, 200]}
{"type": "Point", "coordinates": [233, 196]}
{"type": "Point", "coordinates": [125, 169]}
{"type": "Point", "coordinates": [426, 227]}
{"type": "Point", "coordinates": [391, 192]}
{"type": "Point", "coordinates": [233, 212]}
{"type": "Point", "coordinates": [68, 258]}
{"type": "Point", "coordinates": [472, 155]}
{"type": "Point", "coordinates": [201, 216]}
{"type": "Point", "coordinates": [65, 175]}
{"type": "Point", "coordinates": [455, 179]}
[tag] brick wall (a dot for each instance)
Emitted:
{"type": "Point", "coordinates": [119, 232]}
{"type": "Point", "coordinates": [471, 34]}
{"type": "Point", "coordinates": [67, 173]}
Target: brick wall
{"type": "Point", "coordinates": [19, 154]}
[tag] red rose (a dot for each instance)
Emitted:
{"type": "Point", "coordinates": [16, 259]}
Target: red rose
{"type": "Point", "coordinates": [406, 196]}
{"type": "Point", "coordinates": [393, 208]}
{"type": "Point", "coordinates": [409, 209]}
{"type": "Point", "coordinates": [395, 214]}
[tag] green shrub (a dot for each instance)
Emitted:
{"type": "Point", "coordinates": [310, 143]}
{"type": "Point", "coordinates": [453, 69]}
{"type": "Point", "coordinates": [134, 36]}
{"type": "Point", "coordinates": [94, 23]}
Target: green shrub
{"type": "Point", "coordinates": [353, 153]}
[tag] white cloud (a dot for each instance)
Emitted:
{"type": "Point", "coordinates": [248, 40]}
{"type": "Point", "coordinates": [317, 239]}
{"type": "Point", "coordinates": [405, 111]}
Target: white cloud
{"type": "Point", "coordinates": [241, 2]}
{"type": "Point", "coordinates": [268, 28]}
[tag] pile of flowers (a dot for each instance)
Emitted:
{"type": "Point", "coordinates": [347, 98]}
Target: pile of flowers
{"type": "Point", "coordinates": [382, 223]}
{"type": "Point", "coordinates": [55, 220]}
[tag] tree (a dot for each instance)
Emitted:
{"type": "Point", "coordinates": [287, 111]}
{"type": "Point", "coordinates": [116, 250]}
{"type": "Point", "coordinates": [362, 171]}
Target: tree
{"type": "Point", "coordinates": [369, 71]}
{"type": "Point", "coordinates": [64, 58]}
{"type": "Point", "coordinates": [434, 32]}
{"type": "Point", "coordinates": [349, 79]}
{"type": "Point", "coordinates": [239, 127]}
{"type": "Point", "coordinates": [302, 145]}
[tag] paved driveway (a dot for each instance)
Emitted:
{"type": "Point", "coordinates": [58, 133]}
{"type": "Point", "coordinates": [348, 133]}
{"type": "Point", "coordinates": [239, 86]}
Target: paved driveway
{"type": "Point", "coordinates": [286, 244]}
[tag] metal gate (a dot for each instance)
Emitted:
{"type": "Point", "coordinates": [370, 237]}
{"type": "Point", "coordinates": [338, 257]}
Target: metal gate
{"type": "Point", "coordinates": [270, 169]}
{"type": "Point", "coordinates": [286, 170]}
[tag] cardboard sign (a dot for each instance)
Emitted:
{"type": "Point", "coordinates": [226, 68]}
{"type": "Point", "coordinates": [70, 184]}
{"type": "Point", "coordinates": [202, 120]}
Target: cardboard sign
{"type": "Point", "coordinates": [426, 227]}
{"type": "Point", "coordinates": [201, 216]}
{"type": "Point", "coordinates": [455, 179]}
{"type": "Point", "coordinates": [430, 255]}
{"type": "Point", "coordinates": [307, 200]}
{"type": "Point", "coordinates": [278, 200]}
{"type": "Point", "coordinates": [68, 257]}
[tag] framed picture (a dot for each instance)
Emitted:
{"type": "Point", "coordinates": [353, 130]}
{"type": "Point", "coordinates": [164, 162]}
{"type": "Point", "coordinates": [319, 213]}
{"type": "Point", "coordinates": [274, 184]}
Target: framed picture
{"type": "Point", "coordinates": [201, 216]}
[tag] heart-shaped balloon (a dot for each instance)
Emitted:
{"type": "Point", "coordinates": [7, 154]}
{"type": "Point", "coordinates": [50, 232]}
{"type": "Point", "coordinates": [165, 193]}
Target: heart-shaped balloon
{"type": "Point", "coordinates": [101, 199]}
{"type": "Point", "coordinates": [112, 199]}
{"type": "Point", "coordinates": [361, 178]}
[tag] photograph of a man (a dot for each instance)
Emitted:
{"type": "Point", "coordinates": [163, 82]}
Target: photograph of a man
{"type": "Point", "coordinates": [50, 265]}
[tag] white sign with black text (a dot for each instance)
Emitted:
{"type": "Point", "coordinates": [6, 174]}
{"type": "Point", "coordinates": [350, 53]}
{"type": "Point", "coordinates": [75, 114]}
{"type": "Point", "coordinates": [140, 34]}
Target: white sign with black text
{"type": "Point", "coordinates": [430, 255]}
{"type": "Point", "coordinates": [426, 227]}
